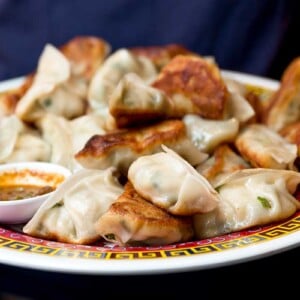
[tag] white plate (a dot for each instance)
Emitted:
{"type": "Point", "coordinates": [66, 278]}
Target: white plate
{"type": "Point", "coordinates": [17, 249]}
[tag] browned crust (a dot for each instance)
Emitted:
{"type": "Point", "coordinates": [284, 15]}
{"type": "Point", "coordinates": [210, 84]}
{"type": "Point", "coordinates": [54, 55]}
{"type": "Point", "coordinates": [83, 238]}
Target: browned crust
{"type": "Point", "coordinates": [289, 88]}
{"type": "Point", "coordinates": [246, 146]}
{"type": "Point", "coordinates": [137, 139]}
{"type": "Point", "coordinates": [135, 207]}
{"type": "Point", "coordinates": [291, 133]}
{"type": "Point", "coordinates": [88, 52]}
{"type": "Point", "coordinates": [198, 81]}
{"type": "Point", "coordinates": [161, 55]}
{"type": "Point", "coordinates": [9, 99]}
{"type": "Point", "coordinates": [129, 118]}
{"type": "Point", "coordinates": [255, 159]}
{"type": "Point", "coordinates": [221, 154]}
{"type": "Point", "coordinates": [255, 102]}
{"type": "Point", "coordinates": [134, 214]}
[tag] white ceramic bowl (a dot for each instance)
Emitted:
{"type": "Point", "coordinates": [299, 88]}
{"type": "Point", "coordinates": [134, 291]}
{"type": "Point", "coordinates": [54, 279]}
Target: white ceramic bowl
{"type": "Point", "coordinates": [30, 173]}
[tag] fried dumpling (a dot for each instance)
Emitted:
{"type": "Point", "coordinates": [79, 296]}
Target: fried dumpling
{"type": "Point", "coordinates": [284, 107]}
{"type": "Point", "coordinates": [57, 133]}
{"type": "Point", "coordinates": [86, 54]}
{"type": "Point", "coordinates": [66, 137]}
{"type": "Point", "coordinates": [111, 72]}
{"type": "Point", "coordinates": [291, 133]}
{"type": "Point", "coordinates": [251, 197]}
{"type": "Point", "coordinates": [222, 162]}
{"type": "Point", "coordinates": [161, 55]}
{"type": "Point", "coordinates": [265, 148]}
{"type": "Point", "coordinates": [52, 89]}
{"type": "Point", "coordinates": [120, 149]}
{"type": "Point", "coordinates": [206, 135]}
{"type": "Point", "coordinates": [195, 86]}
{"type": "Point", "coordinates": [134, 102]}
{"type": "Point", "coordinates": [133, 220]}
{"type": "Point", "coordinates": [171, 183]}
{"type": "Point", "coordinates": [70, 214]}
{"type": "Point", "coordinates": [238, 106]}
{"type": "Point", "coordinates": [21, 143]}
{"type": "Point", "coordinates": [10, 98]}
{"type": "Point", "coordinates": [84, 127]}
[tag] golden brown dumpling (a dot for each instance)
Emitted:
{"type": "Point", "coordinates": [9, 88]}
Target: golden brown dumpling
{"type": "Point", "coordinates": [222, 162]}
{"type": "Point", "coordinates": [161, 55]}
{"type": "Point", "coordinates": [265, 148]}
{"type": "Point", "coordinates": [10, 98]}
{"type": "Point", "coordinates": [291, 133]}
{"type": "Point", "coordinates": [86, 54]}
{"type": "Point", "coordinates": [195, 86]}
{"type": "Point", "coordinates": [121, 148]}
{"type": "Point", "coordinates": [284, 108]}
{"type": "Point", "coordinates": [133, 220]}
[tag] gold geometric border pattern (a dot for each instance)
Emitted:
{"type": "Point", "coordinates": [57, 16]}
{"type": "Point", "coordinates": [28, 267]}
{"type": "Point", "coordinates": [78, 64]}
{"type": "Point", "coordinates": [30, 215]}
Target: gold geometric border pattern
{"type": "Point", "coordinates": [107, 254]}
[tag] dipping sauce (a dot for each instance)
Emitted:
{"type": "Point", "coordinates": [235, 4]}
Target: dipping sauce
{"type": "Point", "coordinates": [19, 192]}
{"type": "Point", "coordinates": [25, 186]}
{"type": "Point", "coordinates": [26, 183]}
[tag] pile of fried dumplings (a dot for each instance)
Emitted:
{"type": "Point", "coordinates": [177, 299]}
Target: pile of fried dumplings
{"type": "Point", "coordinates": [164, 147]}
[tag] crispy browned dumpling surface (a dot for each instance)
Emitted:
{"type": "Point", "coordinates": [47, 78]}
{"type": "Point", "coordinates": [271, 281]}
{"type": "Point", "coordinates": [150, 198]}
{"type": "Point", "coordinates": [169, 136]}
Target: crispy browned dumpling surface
{"type": "Point", "coordinates": [161, 55]}
{"type": "Point", "coordinates": [265, 148]}
{"type": "Point", "coordinates": [138, 138]}
{"type": "Point", "coordinates": [9, 99]}
{"type": "Point", "coordinates": [195, 84]}
{"type": "Point", "coordinates": [284, 107]}
{"type": "Point", "coordinates": [223, 161]}
{"type": "Point", "coordinates": [132, 219]}
{"type": "Point", "coordinates": [291, 133]}
{"type": "Point", "coordinates": [126, 118]}
{"type": "Point", "coordinates": [86, 53]}
{"type": "Point", "coordinates": [122, 147]}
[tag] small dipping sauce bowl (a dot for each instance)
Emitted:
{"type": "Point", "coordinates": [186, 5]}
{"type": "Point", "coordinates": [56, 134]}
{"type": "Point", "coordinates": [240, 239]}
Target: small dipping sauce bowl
{"type": "Point", "coordinates": [24, 186]}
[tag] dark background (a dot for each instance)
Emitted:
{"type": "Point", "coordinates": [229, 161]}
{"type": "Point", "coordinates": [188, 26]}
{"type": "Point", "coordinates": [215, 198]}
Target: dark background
{"type": "Point", "coordinates": [252, 36]}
